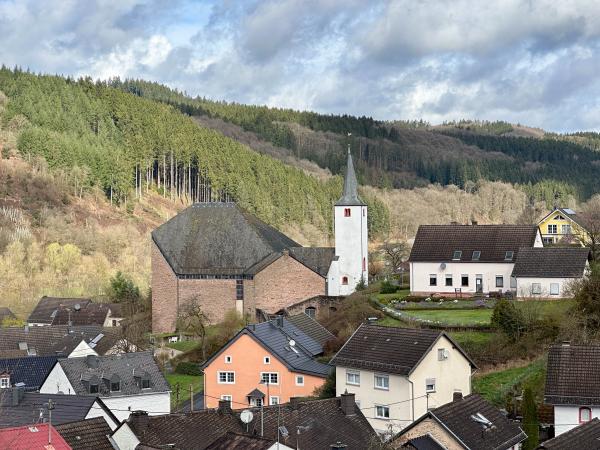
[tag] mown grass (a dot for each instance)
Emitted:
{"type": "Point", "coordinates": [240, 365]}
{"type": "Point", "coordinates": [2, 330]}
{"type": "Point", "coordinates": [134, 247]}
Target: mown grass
{"type": "Point", "coordinates": [464, 317]}
{"type": "Point", "coordinates": [472, 337]}
{"type": "Point", "coordinates": [387, 298]}
{"type": "Point", "coordinates": [495, 386]}
{"type": "Point", "coordinates": [183, 346]}
{"type": "Point", "coordinates": [184, 386]}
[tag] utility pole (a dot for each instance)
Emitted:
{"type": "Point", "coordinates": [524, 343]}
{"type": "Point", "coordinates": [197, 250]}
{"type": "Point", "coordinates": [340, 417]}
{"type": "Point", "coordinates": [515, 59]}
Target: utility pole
{"type": "Point", "coordinates": [191, 398]}
{"type": "Point", "coordinates": [50, 408]}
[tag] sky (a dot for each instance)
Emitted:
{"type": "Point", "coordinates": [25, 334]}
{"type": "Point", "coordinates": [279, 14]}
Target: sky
{"type": "Point", "coordinates": [534, 62]}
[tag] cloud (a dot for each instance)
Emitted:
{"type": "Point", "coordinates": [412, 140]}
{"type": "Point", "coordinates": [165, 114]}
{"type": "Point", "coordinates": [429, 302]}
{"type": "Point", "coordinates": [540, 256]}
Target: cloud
{"type": "Point", "coordinates": [515, 60]}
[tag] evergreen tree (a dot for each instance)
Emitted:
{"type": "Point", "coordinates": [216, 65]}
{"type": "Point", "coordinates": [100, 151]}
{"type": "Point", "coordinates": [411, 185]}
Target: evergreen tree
{"type": "Point", "coordinates": [531, 425]}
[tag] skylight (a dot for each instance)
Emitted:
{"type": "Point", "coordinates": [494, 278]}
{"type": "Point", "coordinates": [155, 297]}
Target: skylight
{"type": "Point", "coordinates": [476, 255]}
{"type": "Point", "coordinates": [457, 255]}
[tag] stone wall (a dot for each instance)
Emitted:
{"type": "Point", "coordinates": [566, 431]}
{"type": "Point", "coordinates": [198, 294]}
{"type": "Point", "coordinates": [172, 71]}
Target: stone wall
{"type": "Point", "coordinates": [428, 426]}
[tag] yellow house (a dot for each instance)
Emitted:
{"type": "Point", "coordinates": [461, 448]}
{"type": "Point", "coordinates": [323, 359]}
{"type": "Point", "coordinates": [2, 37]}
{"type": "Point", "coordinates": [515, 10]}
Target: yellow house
{"type": "Point", "coordinates": [561, 226]}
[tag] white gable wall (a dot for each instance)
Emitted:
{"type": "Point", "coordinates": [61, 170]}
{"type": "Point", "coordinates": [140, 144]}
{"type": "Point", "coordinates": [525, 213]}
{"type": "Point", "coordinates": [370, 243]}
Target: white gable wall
{"type": "Point", "coordinates": [98, 411]}
{"type": "Point", "coordinates": [567, 417]}
{"type": "Point", "coordinates": [154, 403]}
{"type": "Point", "coordinates": [57, 382]}
{"type": "Point", "coordinates": [351, 246]}
{"type": "Point", "coordinates": [82, 349]}
{"type": "Point", "coordinates": [525, 287]}
{"type": "Point", "coordinates": [124, 438]}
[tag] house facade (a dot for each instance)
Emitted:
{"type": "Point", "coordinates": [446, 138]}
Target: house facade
{"type": "Point", "coordinates": [125, 382]}
{"type": "Point", "coordinates": [571, 385]}
{"type": "Point", "coordinates": [561, 225]}
{"type": "Point", "coordinates": [586, 435]}
{"type": "Point", "coordinates": [264, 364]}
{"type": "Point", "coordinates": [225, 258]}
{"type": "Point", "coordinates": [398, 374]}
{"type": "Point", "coordinates": [463, 260]}
{"type": "Point", "coordinates": [549, 272]}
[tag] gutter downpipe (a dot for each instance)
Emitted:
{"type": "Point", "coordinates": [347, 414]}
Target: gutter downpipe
{"type": "Point", "coordinates": [412, 399]}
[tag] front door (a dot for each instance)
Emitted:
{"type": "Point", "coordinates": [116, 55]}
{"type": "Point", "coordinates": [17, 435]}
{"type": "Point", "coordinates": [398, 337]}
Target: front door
{"type": "Point", "coordinates": [479, 283]}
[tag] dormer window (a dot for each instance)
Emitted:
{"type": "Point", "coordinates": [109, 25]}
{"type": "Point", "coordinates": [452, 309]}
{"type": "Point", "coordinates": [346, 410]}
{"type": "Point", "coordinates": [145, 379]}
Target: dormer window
{"type": "Point", "coordinates": [457, 255]}
{"type": "Point", "coordinates": [93, 387]}
{"type": "Point", "coordinates": [508, 256]}
{"type": "Point", "coordinates": [346, 212]}
{"type": "Point", "coordinates": [115, 383]}
{"type": "Point", "coordinates": [4, 381]}
{"type": "Point", "coordinates": [145, 383]}
{"type": "Point", "coordinates": [476, 255]}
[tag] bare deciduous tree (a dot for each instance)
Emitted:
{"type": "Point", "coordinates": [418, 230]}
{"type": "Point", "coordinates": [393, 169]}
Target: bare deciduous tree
{"type": "Point", "coordinates": [589, 219]}
{"type": "Point", "coordinates": [192, 320]}
{"type": "Point", "coordinates": [395, 252]}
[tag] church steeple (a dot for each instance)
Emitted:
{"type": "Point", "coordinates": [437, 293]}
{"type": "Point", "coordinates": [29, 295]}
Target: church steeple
{"type": "Point", "coordinates": [350, 196]}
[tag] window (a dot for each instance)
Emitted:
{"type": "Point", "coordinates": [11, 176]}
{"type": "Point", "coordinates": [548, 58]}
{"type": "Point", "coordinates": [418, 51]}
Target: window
{"type": "Point", "coordinates": [299, 380]}
{"type": "Point", "coordinates": [273, 400]}
{"type": "Point", "coordinates": [269, 377]}
{"type": "Point", "coordinates": [585, 415]}
{"type": "Point", "coordinates": [476, 255]}
{"type": "Point", "coordinates": [547, 240]}
{"type": "Point", "coordinates": [228, 359]}
{"type": "Point", "coordinates": [226, 377]}
{"type": "Point", "coordinates": [499, 281]}
{"type": "Point", "coordinates": [256, 402]}
{"type": "Point", "coordinates": [382, 412]}
{"type": "Point", "coordinates": [93, 388]}
{"type": "Point", "coordinates": [464, 280]}
{"type": "Point", "coordinates": [551, 229]}
{"type": "Point", "coordinates": [457, 255]}
{"type": "Point", "coordinates": [364, 265]}
{"type": "Point", "coordinates": [344, 280]}
{"type": "Point", "coordinates": [114, 323]}
{"type": "Point", "coordinates": [536, 288]}
{"type": "Point", "coordinates": [508, 256]}
{"type": "Point", "coordinates": [311, 312]}
{"type": "Point", "coordinates": [430, 385]}
{"type": "Point", "coordinates": [239, 289]}
{"type": "Point", "coordinates": [382, 382]}
{"type": "Point", "coordinates": [353, 377]}
{"type": "Point", "coordinates": [448, 279]}
{"type": "Point", "coordinates": [442, 354]}
{"type": "Point", "coordinates": [554, 288]}
{"type": "Point", "coordinates": [565, 229]}
{"type": "Point", "coordinates": [346, 212]}
{"type": "Point", "coordinates": [4, 382]}
{"type": "Point", "coordinates": [145, 383]}
{"type": "Point", "coordinates": [267, 360]}
{"type": "Point", "coordinates": [433, 279]}
{"type": "Point", "coordinates": [513, 282]}
{"type": "Point", "coordinates": [115, 386]}
{"type": "Point", "coordinates": [559, 217]}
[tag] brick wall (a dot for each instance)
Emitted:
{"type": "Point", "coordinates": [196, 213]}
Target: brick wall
{"type": "Point", "coordinates": [215, 297]}
{"type": "Point", "coordinates": [428, 426]}
{"type": "Point", "coordinates": [164, 293]}
{"type": "Point", "coordinates": [285, 282]}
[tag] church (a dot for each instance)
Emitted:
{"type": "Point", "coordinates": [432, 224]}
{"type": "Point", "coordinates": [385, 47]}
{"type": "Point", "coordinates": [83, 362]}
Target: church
{"type": "Point", "coordinates": [226, 258]}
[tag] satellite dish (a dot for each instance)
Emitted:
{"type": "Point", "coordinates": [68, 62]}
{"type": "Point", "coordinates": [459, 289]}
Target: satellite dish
{"type": "Point", "coordinates": [292, 342]}
{"type": "Point", "coordinates": [77, 307]}
{"type": "Point", "coordinates": [442, 266]}
{"type": "Point", "coordinates": [246, 416]}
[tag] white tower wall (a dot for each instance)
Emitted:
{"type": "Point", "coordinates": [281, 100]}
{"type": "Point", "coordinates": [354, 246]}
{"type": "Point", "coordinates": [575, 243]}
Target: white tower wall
{"type": "Point", "coordinates": [351, 246]}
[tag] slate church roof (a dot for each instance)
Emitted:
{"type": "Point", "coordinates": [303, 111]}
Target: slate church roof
{"type": "Point", "coordinates": [573, 375]}
{"type": "Point", "coordinates": [551, 262]}
{"type": "Point", "coordinates": [223, 239]}
{"type": "Point", "coordinates": [438, 243]}
{"type": "Point", "coordinates": [350, 195]}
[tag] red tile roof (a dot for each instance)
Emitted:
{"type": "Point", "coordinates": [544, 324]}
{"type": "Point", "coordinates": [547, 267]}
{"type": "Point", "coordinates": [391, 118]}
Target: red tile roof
{"type": "Point", "coordinates": [32, 437]}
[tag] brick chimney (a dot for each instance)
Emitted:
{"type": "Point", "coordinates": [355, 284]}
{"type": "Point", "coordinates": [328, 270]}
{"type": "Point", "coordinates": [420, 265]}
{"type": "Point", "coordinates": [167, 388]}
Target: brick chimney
{"type": "Point", "coordinates": [17, 395]}
{"type": "Point", "coordinates": [139, 420]}
{"type": "Point", "coordinates": [347, 404]}
{"type": "Point", "coordinates": [224, 407]}
{"type": "Point", "coordinates": [457, 396]}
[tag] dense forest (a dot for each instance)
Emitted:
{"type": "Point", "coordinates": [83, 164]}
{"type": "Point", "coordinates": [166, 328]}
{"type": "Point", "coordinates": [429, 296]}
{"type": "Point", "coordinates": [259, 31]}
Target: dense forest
{"type": "Point", "coordinates": [411, 154]}
{"type": "Point", "coordinates": [127, 145]}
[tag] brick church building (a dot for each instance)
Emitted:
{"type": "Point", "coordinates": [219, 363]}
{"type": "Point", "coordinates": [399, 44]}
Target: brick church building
{"type": "Point", "coordinates": [227, 259]}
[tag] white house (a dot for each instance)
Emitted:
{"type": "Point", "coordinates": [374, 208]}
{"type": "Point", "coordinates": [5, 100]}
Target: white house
{"type": "Point", "coordinates": [572, 385]}
{"type": "Point", "coordinates": [467, 259]}
{"type": "Point", "coordinates": [398, 374]}
{"type": "Point", "coordinates": [125, 382]}
{"type": "Point", "coordinates": [550, 271]}
{"type": "Point", "coordinates": [351, 262]}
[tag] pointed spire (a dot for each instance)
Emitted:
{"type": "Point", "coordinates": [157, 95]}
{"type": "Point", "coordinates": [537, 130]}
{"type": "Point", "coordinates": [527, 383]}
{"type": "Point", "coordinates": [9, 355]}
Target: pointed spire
{"type": "Point", "coordinates": [350, 196]}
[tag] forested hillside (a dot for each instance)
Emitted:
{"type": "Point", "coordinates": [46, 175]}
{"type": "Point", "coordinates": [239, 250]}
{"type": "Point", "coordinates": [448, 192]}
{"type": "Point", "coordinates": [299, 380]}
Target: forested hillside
{"type": "Point", "coordinates": [411, 154]}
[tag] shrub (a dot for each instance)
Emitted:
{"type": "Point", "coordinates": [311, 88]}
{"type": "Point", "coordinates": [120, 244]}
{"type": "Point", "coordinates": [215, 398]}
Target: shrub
{"type": "Point", "coordinates": [327, 389]}
{"type": "Point", "coordinates": [531, 425]}
{"type": "Point", "coordinates": [188, 368]}
{"type": "Point", "coordinates": [388, 288]}
{"type": "Point", "coordinates": [508, 318]}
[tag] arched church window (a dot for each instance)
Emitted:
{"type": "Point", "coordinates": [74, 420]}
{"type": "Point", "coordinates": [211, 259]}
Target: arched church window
{"type": "Point", "coordinates": [344, 280]}
{"type": "Point", "coordinates": [346, 212]}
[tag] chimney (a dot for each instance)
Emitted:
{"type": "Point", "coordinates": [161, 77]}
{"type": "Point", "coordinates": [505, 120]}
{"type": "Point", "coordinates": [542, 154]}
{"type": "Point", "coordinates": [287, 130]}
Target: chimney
{"type": "Point", "coordinates": [140, 421]}
{"type": "Point", "coordinates": [17, 395]}
{"type": "Point", "coordinates": [279, 321]}
{"type": "Point", "coordinates": [473, 222]}
{"type": "Point", "coordinates": [347, 404]}
{"type": "Point", "coordinates": [457, 396]}
{"type": "Point", "coordinates": [454, 222]}
{"type": "Point", "coordinates": [224, 407]}
{"type": "Point", "coordinates": [338, 446]}
{"type": "Point", "coordinates": [295, 402]}
{"type": "Point", "coordinates": [92, 361]}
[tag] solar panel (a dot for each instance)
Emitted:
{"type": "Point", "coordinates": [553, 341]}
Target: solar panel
{"type": "Point", "coordinates": [569, 211]}
{"type": "Point", "coordinates": [97, 339]}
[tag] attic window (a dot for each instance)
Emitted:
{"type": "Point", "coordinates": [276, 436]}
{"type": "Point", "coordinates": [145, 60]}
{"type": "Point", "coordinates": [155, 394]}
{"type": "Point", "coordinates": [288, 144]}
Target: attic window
{"type": "Point", "coordinates": [585, 415]}
{"type": "Point", "coordinates": [115, 386]}
{"type": "Point", "coordinates": [4, 381]}
{"type": "Point", "coordinates": [508, 256]}
{"type": "Point", "coordinates": [145, 383]}
{"type": "Point", "coordinates": [476, 255]}
{"type": "Point", "coordinates": [93, 387]}
{"type": "Point", "coordinates": [559, 217]}
{"type": "Point", "coordinates": [457, 255]}
{"type": "Point", "coordinates": [344, 280]}
{"type": "Point", "coordinates": [346, 212]}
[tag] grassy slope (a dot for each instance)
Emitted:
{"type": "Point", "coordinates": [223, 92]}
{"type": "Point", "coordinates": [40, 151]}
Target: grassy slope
{"type": "Point", "coordinates": [184, 386]}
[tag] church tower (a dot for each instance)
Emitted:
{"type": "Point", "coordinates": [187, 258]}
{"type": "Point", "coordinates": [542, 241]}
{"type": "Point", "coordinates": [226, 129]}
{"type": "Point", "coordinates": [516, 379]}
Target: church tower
{"type": "Point", "coordinates": [351, 238]}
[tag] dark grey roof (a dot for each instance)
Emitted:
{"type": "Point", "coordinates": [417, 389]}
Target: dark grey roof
{"type": "Point", "coordinates": [217, 238]}
{"type": "Point", "coordinates": [573, 375]}
{"type": "Point", "coordinates": [29, 408]}
{"type": "Point", "coordinates": [425, 442]}
{"type": "Point", "coordinates": [86, 434]}
{"type": "Point", "coordinates": [350, 195]}
{"type": "Point", "coordinates": [29, 370]}
{"type": "Point", "coordinates": [237, 441]}
{"type": "Point", "coordinates": [586, 436]}
{"type": "Point", "coordinates": [389, 349]}
{"type": "Point", "coordinates": [318, 259]}
{"type": "Point", "coordinates": [47, 308]}
{"type": "Point", "coordinates": [311, 327]}
{"type": "Point", "coordinates": [255, 393]}
{"type": "Point", "coordinates": [457, 418]}
{"type": "Point", "coordinates": [437, 243]}
{"type": "Point", "coordinates": [6, 313]}
{"type": "Point", "coordinates": [275, 335]}
{"type": "Point", "coordinates": [88, 314]}
{"type": "Point", "coordinates": [54, 340]}
{"type": "Point", "coordinates": [551, 262]}
{"type": "Point", "coordinates": [128, 367]}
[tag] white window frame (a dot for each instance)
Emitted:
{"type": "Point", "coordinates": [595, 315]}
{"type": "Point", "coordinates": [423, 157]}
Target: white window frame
{"type": "Point", "coordinates": [227, 397]}
{"type": "Point", "coordinates": [449, 277]}
{"type": "Point", "coordinates": [267, 360]}
{"type": "Point", "coordinates": [226, 372]}
{"type": "Point", "coordinates": [442, 354]}
{"type": "Point", "coordinates": [476, 256]}
{"type": "Point", "coordinates": [382, 416]}
{"type": "Point", "coordinates": [456, 255]}
{"type": "Point", "coordinates": [565, 229]}
{"type": "Point", "coordinates": [262, 374]}
{"type": "Point", "coordinates": [274, 397]}
{"type": "Point", "coordinates": [355, 373]}
{"type": "Point", "coordinates": [552, 229]}
{"type": "Point", "coordinates": [501, 278]}
{"type": "Point", "coordinates": [536, 288]}
{"type": "Point", "coordinates": [300, 377]}
{"type": "Point", "coordinates": [428, 382]}
{"type": "Point", "coordinates": [228, 359]}
{"type": "Point", "coordinates": [462, 277]}
{"type": "Point", "coordinates": [433, 277]}
{"type": "Point", "coordinates": [381, 376]}
{"type": "Point", "coordinates": [4, 382]}
{"type": "Point", "coordinates": [554, 288]}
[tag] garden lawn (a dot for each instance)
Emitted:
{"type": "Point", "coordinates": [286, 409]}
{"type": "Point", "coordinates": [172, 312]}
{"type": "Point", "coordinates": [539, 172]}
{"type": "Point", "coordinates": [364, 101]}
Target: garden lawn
{"type": "Point", "coordinates": [183, 346]}
{"type": "Point", "coordinates": [452, 317]}
{"type": "Point", "coordinates": [184, 386]}
{"type": "Point", "coordinates": [495, 385]}
{"type": "Point", "coordinates": [471, 337]}
{"type": "Point", "coordinates": [386, 298]}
